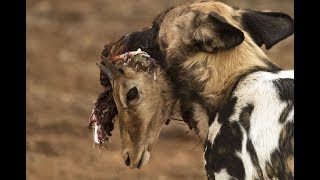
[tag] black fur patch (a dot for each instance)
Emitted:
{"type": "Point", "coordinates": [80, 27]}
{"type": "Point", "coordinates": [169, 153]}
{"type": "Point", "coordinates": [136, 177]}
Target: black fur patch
{"type": "Point", "coordinates": [245, 116]}
{"type": "Point", "coordinates": [228, 35]}
{"type": "Point", "coordinates": [285, 112]}
{"type": "Point", "coordinates": [267, 28]}
{"type": "Point", "coordinates": [226, 111]}
{"type": "Point", "coordinates": [285, 88]}
{"type": "Point", "coordinates": [254, 158]}
{"type": "Point", "coordinates": [187, 88]}
{"type": "Point", "coordinates": [286, 141]}
{"type": "Point", "coordinates": [278, 166]}
{"type": "Point", "coordinates": [222, 153]}
{"type": "Point", "coordinates": [271, 66]}
{"type": "Point", "coordinates": [146, 40]}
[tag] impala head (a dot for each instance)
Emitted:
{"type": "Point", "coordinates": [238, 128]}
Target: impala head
{"type": "Point", "coordinates": [143, 100]}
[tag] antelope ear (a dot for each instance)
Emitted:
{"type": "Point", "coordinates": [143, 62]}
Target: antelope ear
{"type": "Point", "coordinates": [267, 28]}
{"type": "Point", "coordinates": [212, 32]}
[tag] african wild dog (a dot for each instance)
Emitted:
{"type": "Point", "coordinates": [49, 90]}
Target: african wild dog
{"type": "Point", "coordinates": [210, 53]}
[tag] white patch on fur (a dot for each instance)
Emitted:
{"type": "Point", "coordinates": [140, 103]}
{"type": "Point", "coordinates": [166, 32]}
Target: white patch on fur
{"type": "Point", "coordinates": [154, 76]}
{"type": "Point", "coordinates": [286, 74]}
{"type": "Point", "coordinates": [290, 117]}
{"type": "Point", "coordinates": [204, 157]}
{"type": "Point", "coordinates": [222, 175]}
{"type": "Point", "coordinates": [95, 134]}
{"type": "Point", "coordinates": [214, 129]}
{"type": "Point", "coordinates": [244, 155]}
{"type": "Point", "coordinates": [259, 90]}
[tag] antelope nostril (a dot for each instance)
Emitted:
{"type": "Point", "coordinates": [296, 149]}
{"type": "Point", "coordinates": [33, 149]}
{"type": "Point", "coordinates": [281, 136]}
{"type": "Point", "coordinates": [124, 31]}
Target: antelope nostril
{"type": "Point", "coordinates": [127, 160]}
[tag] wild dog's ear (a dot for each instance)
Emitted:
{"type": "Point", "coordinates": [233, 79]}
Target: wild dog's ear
{"type": "Point", "coordinates": [267, 27]}
{"type": "Point", "coordinates": [212, 32]}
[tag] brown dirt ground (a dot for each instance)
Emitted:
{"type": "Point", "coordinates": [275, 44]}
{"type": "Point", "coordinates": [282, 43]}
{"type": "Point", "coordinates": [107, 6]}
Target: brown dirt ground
{"type": "Point", "coordinates": [64, 40]}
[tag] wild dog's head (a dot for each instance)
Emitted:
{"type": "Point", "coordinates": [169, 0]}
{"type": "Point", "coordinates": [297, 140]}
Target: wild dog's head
{"type": "Point", "coordinates": [205, 26]}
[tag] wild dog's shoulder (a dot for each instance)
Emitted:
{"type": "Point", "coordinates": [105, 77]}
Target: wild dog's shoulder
{"type": "Point", "coordinates": [279, 84]}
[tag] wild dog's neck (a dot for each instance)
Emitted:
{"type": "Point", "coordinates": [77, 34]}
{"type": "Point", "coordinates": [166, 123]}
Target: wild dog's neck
{"type": "Point", "coordinates": [225, 67]}
{"type": "Point", "coordinates": [208, 78]}
{"type": "Point", "coordinates": [220, 71]}
{"type": "Point", "coordinates": [203, 82]}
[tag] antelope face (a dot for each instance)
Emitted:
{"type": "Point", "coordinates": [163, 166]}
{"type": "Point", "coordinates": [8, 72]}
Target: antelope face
{"type": "Point", "coordinates": [143, 102]}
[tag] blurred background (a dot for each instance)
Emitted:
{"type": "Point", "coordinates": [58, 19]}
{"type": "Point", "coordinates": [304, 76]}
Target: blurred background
{"type": "Point", "coordinates": [64, 41]}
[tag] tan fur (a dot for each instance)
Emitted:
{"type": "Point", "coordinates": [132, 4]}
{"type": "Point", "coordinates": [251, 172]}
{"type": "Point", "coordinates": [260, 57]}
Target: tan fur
{"type": "Point", "coordinates": [222, 68]}
{"type": "Point", "coordinates": [140, 121]}
{"type": "Point", "coordinates": [200, 115]}
{"type": "Point", "coordinates": [182, 17]}
{"type": "Point", "coordinates": [290, 164]}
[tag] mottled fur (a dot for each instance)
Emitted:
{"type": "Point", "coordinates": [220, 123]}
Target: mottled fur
{"type": "Point", "coordinates": [218, 74]}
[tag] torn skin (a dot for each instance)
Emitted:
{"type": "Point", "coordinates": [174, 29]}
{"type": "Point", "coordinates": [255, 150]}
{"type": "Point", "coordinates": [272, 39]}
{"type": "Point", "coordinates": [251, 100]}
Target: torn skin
{"type": "Point", "coordinates": [104, 110]}
{"type": "Point", "coordinates": [103, 115]}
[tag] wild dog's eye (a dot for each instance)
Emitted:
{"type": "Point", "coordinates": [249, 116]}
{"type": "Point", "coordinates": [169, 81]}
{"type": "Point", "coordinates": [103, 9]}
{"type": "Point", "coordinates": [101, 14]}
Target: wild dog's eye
{"type": "Point", "coordinates": [132, 94]}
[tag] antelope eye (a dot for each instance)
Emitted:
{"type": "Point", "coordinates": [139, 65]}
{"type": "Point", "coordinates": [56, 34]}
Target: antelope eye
{"type": "Point", "coordinates": [132, 94]}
